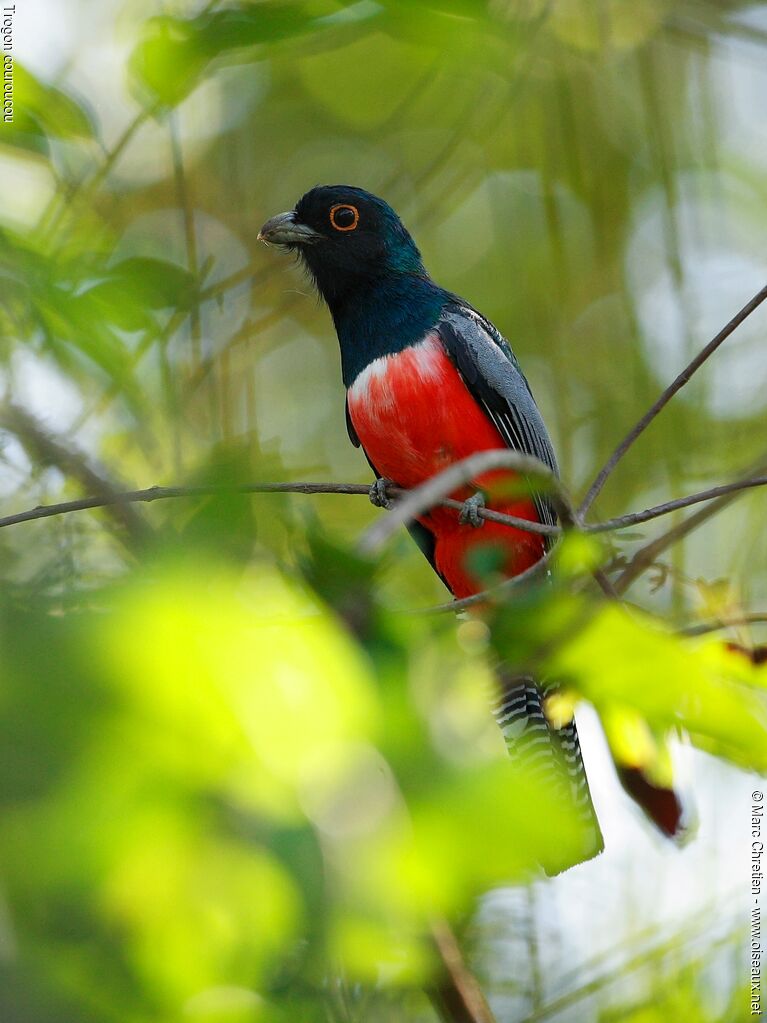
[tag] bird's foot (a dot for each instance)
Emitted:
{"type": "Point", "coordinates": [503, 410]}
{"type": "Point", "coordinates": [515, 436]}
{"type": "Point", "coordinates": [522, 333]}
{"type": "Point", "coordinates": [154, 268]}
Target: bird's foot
{"type": "Point", "coordinates": [470, 512]}
{"type": "Point", "coordinates": [378, 495]}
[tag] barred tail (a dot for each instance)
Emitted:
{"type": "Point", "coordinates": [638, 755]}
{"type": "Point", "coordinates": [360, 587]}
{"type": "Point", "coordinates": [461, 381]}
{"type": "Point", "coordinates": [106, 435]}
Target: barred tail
{"type": "Point", "coordinates": [552, 756]}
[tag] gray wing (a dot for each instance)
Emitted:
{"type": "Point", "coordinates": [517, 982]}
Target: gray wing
{"type": "Point", "coordinates": [493, 376]}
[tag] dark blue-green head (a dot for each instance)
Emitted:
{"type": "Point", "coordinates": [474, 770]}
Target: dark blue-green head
{"type": "Point", "coordinates": [348, 240]}
{"type": "Point", "coordinates": [366, 267]}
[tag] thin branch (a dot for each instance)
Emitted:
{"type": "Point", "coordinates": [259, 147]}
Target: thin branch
{"type": "Point", "coordinates": [87, 185]}
{"type": "Point", "coordinates": [725, 622]}
{"type": "Point", "coordinates": [665, 397]}
{"type": "Point", "coordinates": [633, 518]}
{"type": "Point", "coordinates": [527, 525]}
{"type": "Point", "coordinates": [190, 234]}
{"type": "Point", "coordinates": [157, 493]}
{"type": "Point", "coordinates": [436, 489]}
{"type": "Point", "coordinates": [51, 450]}
{"type": "Point", "coordinates": [648, 554]}
{"type": "Point", "coordinates": [150, 494]}
{"type": "Point", "coordinates": [164, 493]}
{"type": "Point", "coordinates": [433, 492]}
{"type": "Point", "coordinates": [493, 593]}
{"type": "Point", "coordinates": [456, 994]}
{"type": "Point", "coordinates": [414, 502]}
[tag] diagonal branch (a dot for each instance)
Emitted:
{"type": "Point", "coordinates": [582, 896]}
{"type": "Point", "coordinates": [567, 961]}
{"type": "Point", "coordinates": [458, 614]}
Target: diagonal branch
{"type": "Point", "coordinates": [455, 992]}
{"type": "Point", "coordinates": [666, 397]}
{"type": "Point", "coordinates": [495, 593]}
{"type": "Point", "coordinates": [634, 518]}
{"type": "Point", "coordinates": [51, 450]}
{"type": "Point", "coordinates": [646, 555]}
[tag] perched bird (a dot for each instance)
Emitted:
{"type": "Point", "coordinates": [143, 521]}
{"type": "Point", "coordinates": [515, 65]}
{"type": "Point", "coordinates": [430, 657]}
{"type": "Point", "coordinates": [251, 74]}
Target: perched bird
{"type": "Point", "coordinates": [430, 381]}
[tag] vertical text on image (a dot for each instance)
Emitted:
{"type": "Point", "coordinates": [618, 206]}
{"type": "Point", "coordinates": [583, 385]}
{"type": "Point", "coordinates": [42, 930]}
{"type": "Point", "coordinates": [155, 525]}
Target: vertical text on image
{"type": "Point", "coordinates": [6, 34]}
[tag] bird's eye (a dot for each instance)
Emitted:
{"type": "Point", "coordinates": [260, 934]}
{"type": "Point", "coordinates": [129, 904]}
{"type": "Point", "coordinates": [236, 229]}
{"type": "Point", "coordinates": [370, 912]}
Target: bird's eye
{"type": "Point", "coordinates": [344, 217]}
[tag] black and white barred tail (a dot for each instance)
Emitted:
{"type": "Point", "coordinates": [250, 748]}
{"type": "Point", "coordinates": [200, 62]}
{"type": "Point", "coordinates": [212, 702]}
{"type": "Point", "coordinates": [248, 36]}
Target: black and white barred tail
{"type": "Point", "coordinates": [551, 757]}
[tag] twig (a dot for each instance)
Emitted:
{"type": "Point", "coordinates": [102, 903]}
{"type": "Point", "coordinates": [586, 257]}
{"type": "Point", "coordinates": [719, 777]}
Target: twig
{"type": "Point", "coordinates": [665, 397]}
{"type": "Point", "coordinates": [51, 450]}
{"type": "Point", "coordinates": [163, 493]}
{"type": "Point", "coordinates": [648, 554]}
{"type": "Point", "coordinates": [456, 995]}
{"type": "Point", "coordinates": [190, 234]}
{"type": "Point", "coordinates": [157, 493]}
{"type": "Point", "coordinates": [725, 622]}
{"type": "Point", "coordinates": [436, 489]}
{"type": "Point", "coordinates": [433, 492]}
{"type": "Point", "coordinates": [52, 216]}
{"type": "Point", "coordinates": [643, 559]}
{"type": "Point", "coordinates": [633, 518]}
{"type": "Point", "coordinates": [527, 525]}
{"type": "Point", "coordinates": [498, 592]}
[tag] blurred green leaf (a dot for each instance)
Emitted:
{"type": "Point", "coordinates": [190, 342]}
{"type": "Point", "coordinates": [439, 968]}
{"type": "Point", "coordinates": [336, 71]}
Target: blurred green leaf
{"type": "Point", "coordinates": [43, 110]}
{"type": "Point", "coordinates": [153, 282]}
{"type": "Point", "coordinates": [631, 669]}
{"type": "Point", "coordinates": [174, 53]}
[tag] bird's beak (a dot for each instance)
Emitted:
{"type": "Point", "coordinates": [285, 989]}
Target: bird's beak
{"type": "Point", "coordinates": [285, 229]}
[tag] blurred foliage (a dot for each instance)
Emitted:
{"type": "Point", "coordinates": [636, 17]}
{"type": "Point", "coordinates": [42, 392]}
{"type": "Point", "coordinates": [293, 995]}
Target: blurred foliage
{"type": "Point", "coordinates": [237, 782]}
{"type": "Point", "coordinates": [237, 794]}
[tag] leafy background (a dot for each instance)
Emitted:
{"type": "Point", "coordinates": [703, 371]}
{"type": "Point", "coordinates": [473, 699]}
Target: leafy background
{"type": "Point", "coordinates": [237, 783]}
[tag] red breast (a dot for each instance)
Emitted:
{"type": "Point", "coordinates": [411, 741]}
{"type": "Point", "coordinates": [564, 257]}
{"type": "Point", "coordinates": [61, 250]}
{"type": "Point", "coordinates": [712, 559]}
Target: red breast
{"type": "Point", "coordinates": [414, 416]}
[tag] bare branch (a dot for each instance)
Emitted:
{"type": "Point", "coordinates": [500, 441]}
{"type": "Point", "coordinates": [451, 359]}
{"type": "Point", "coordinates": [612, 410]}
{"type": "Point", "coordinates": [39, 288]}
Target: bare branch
{"type": "Point", "coordinates": [456, 993]}
{"type": "Point", "coordinates": [633, 518]}
{"type": "Point", "coordinates": [726, 622]}
{"type": "Point", "coordinates": [526, 525]}
{"type": "Point", "coordinates": [164, 493]}
{"type": "Point", "coordinates": [648, 554]}
{"type": "Point", "coordinates": [664, 399]}
{"type": "Point", "coordinates": [157, 493]}
{"type": "Point", "coordinates": [51, 450]}
{"type": "Point", "coordinates": [494, 593]}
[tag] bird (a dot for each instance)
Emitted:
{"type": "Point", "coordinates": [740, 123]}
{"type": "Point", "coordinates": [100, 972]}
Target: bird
{"type": "Point", "coordinates": [429, 381]}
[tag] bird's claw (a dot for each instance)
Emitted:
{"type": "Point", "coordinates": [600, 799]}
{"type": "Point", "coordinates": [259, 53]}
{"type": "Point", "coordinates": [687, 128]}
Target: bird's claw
{"type": "Point", "coordinates": [470, 512]}
{"type": "Point", "coordinates": [378, 495]}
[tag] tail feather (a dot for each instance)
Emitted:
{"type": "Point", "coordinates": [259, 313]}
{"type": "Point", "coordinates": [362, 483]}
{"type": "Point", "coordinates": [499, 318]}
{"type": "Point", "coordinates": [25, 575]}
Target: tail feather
{"type": "Point", "coordinates": [552, 756]}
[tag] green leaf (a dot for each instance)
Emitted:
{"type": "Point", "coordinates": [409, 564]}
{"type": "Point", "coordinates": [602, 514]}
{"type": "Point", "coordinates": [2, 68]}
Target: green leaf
{"type": "Point", "coordinates": [43, 109]}
{"type": "Point", "coordinates": [631, 669]}
{"type": "Point", "coordinates": [171, 58]}
{"type": "Point", "coordinates": [152, 282]}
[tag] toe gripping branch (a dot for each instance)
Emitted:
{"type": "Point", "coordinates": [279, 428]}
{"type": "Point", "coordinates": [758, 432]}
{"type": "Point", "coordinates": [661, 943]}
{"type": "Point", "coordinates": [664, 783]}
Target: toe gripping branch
{"type": "Point", "coordinates": [378, 495]}
{"type": "Point", "coordinates": [470, 512]}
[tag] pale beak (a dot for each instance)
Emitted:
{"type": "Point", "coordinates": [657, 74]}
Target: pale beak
{"type": "Point", "coordinates": [284, 229]}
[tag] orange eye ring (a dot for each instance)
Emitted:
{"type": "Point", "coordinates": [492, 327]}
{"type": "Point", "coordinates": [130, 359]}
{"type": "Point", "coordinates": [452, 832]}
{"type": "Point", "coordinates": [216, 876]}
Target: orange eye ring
{"type": "Point", "coordinates": [334, 210]}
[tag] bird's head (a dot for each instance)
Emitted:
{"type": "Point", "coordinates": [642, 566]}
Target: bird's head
{"type": "Point", "coordinates": [347, 238]}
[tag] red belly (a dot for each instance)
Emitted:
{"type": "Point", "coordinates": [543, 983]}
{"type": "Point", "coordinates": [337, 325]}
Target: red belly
{"type": "Point", "coordinates": [414, 416]}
